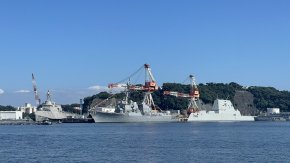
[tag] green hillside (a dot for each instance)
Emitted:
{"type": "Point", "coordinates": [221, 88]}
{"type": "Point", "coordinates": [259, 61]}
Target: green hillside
{"type": "Point", "coordinates": [249, 100]}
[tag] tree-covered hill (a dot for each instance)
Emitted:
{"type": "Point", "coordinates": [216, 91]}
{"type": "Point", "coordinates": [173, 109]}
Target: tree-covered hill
{"type": "Point", "coordinates": [248, 100]}
{"type": "Point", "coordinates": [269, 97]}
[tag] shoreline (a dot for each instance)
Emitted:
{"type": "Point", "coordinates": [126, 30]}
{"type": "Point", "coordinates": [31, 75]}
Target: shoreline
{"type": "Point", "coordinates": [17, 122]}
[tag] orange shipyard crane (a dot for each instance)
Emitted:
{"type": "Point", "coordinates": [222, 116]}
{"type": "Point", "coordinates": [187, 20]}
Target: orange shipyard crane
{"type": "Point", "coordinates": [37, 99]}
{"type": "Point", "coordinates": [149, 87]}
{"type": "Point", "coordinates": [193, 96]}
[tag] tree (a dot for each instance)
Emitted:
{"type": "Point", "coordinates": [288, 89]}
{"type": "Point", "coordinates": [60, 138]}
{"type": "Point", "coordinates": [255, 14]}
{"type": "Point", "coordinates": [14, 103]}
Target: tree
{"type": "Point", "coordinates": [7, 108]}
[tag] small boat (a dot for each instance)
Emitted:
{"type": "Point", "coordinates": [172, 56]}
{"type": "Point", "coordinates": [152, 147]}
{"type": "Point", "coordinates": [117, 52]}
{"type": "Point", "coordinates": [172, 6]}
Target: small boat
{"type": "Point", "coordinates": [45, 122]}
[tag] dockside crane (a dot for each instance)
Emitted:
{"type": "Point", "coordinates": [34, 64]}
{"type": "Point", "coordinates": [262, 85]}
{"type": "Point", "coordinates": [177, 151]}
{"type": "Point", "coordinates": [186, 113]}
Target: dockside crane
{"type": "Point", "coordinates": [149, 87]}
{"type": "Point", "coordinates": [193, 96]}
{"type": "Point", "coordinates": [37, 99]}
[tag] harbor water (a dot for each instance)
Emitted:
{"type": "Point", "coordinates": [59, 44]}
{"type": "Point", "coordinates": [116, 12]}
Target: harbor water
{"type": "Point", "coordinates": [146, 142]}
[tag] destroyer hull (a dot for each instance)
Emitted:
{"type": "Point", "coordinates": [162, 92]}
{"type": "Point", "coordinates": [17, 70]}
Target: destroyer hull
{"type": "Point", "coordinates": [219, 118]}
{"type": "Point", "coordinates": [100, 117]}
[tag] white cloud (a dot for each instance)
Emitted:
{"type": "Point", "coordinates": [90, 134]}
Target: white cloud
{"type": "Point", "coordinates": [98, 88]}
{"type": "Point", "coordinates": [1, 91]}
{"type": "Point", "coordinates": [23, 91]}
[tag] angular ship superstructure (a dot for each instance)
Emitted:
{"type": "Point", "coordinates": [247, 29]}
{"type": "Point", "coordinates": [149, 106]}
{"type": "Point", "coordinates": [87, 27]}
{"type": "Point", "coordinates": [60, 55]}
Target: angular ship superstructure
{"type": "Point", "coordinates": [49, 110]}
{"type": "Point", "coordinates": [222, 110]}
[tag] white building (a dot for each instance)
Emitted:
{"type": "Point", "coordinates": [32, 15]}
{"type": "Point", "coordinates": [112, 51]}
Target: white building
{"type": "Point", "coordinates": [27, 108]}
{"type": "Point", "coordinates": [10, 115]}
{"type": "Point", "coordinates": [273, 110]}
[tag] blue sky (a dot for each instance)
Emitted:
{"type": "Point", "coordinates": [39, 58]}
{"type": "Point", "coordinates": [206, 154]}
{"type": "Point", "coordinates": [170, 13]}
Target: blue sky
{"type": "Point", "coordinates": [73, 45]}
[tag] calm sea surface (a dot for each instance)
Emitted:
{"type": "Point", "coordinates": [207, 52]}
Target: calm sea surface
{"type": "Point", "coordinates": [156, 142]}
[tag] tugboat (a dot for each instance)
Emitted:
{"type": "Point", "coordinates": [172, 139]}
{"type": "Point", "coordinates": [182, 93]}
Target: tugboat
{"type": "Point", "coordinates": [45, 122]}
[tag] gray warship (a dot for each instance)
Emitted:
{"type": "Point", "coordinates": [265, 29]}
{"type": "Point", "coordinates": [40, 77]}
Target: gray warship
{"type": "Point", "coordinates": [222, 110]}
{"type": "Point", "coordinates": [49, 110]}
{"type": "Point", "coordinates": [129, 111]}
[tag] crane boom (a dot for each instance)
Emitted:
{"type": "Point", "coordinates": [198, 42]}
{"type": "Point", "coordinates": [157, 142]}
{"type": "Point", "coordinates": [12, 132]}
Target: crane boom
{"type": "Point", "coordinates": [36, 96]}
{"type": "Point", "coordinates": [112, 85]}
{"type": "Point", "coordinates": [193, 95]}
{"type": "Point", "coordinates": [149, 87]}
{"type": "Point", "coordinates": [148, 70]}
{"type": "Point", "coordinates": [150, 83]}
{"type": "Point", "coordinates": [177, 94]}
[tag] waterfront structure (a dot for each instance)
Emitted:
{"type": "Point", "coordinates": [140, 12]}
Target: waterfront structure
{"type": "Point", "coordinates": [11, 115]}
{"type": "Point", "coordinates": [273, 114]}
{"type": "Point", "coordinates": [27, 108]}
{"type": "Point", "coordinates": [273, 111]}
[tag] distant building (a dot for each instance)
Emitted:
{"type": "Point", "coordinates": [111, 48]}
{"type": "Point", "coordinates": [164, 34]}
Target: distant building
{"type": "Point", "coordinates": [273, 111]}
{"type": "Point", "coordinates": [27, 108]}
{"type": "Point", "coordinates": [10, 115]}
{"type": "Point", "coordinates": [77, 108]}
{"type": "Point", "coordinates": [246, 87]}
